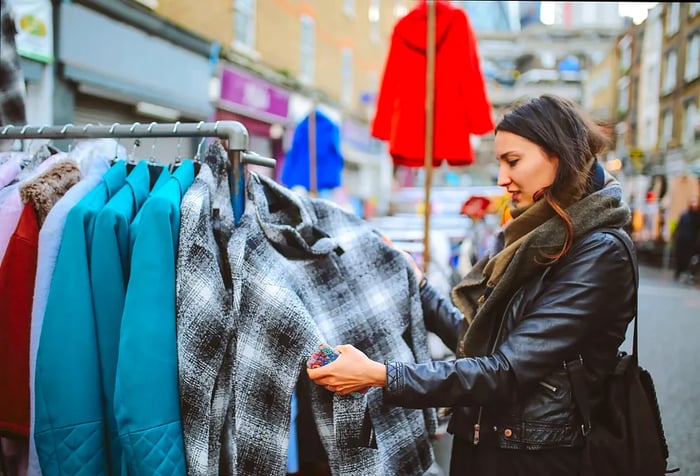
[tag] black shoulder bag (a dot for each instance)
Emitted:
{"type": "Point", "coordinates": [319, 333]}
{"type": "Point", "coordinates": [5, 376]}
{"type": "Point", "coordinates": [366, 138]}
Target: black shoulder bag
{"type": "Point", "coordinates": [625, 436]}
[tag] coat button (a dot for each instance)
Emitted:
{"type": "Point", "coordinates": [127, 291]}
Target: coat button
{"type": "Point", "coordinates": [508, 432]}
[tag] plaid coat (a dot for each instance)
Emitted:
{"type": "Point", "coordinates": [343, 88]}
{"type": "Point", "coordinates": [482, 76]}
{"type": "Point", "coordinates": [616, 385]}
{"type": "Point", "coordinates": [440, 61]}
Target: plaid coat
{"type": "Point", "coordinates": [12, 90]}
{"type": "Point", "coordinates": [306, 272]}
{"type": "Point", "coordinates": [203, 321]}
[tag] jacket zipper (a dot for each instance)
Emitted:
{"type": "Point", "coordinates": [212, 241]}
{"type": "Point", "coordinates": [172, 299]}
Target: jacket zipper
{"type": "Point", "coordinates": [549, 387]}
{"type": "Point", "coordinates": [477, 425]}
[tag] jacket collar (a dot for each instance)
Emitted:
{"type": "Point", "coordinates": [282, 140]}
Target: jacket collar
{"type": "Point", "coordinates": [287, 222]}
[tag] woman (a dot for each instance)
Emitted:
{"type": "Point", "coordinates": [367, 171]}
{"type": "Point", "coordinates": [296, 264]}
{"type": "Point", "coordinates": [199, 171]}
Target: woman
{"type": "Point", "coordinates": [555, 288]}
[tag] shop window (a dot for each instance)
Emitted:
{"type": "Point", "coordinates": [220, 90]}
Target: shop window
{"type": "Point", "coordinates": [690, 119]}
{"type": "Point", "coordinates": [346, 77]}
{"type": "Point", "coordinates": [244, 24]}
{"type": "Point", "coordinates": [692, 58]}
{"type": "Point", "coordinates": [670, 72]}
{"type": "Point", "coordinates": [307, 69]}
{"type": "Point", "coordinates": [672, 18]}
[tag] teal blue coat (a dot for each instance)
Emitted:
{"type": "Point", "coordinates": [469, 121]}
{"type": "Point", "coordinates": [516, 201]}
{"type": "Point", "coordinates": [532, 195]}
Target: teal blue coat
{"type": "Point", "coordinates": [69, 424]}
{"type": "Point", "coordinates": [146, 402]}
{"type": "Point", "coordinates": [109, 273]}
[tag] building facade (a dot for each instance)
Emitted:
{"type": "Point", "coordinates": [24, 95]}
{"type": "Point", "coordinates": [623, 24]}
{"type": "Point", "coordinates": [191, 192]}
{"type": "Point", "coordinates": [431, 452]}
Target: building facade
{"type": "Point", "coordinates": [657, 77]}
{"type": "Point", "coordinates": [316, 54]}
{"type": "Point", "coordinates": [679, 131]}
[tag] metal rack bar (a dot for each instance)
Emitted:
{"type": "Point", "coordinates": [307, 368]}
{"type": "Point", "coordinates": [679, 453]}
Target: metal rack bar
{"type": "Point", "coordinates": [234, 132]}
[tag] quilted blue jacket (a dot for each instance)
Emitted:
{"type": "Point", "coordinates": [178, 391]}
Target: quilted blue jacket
{"type": "Point", "coordinates": [146, 402]}
{"type": "Point", "coordinates": [109, 274]}
{"type": "Point", "coordinates": [69, 426]}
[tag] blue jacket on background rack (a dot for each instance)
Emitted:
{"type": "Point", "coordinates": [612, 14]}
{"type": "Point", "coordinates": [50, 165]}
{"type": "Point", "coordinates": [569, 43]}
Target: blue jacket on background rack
{"type": "Point", "coordinates": [329, 162]}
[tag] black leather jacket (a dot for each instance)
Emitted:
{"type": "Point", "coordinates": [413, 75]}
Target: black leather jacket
{"type": "Point", "coordinates": [520, 395]}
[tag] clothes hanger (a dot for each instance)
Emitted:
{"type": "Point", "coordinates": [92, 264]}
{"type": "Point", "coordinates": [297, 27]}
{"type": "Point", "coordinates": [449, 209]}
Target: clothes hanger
{"type": "Point", "coordinates": [116, 148]}
{"type": "Point", "coordinates": [178, 157]}
{"type": "Point", "coordinates": [131, 158]}
{"type": "Point", "coordinates": [154, 168]}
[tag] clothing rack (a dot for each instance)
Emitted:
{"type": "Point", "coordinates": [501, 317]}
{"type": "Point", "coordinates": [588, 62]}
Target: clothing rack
{"type": "Point", "coordinates": [234, 132]}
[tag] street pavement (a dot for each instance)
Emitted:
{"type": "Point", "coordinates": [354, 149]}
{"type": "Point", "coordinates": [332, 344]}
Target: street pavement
{"type": "Point", "coordinates": [669, 328]}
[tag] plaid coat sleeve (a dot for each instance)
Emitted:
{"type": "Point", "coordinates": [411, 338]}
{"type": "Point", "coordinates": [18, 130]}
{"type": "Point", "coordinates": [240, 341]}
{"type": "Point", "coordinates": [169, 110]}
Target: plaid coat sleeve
{"type": "Point", "coordinates": [203, 331]}
{"type": "Point", "coordinates": [12, 89]}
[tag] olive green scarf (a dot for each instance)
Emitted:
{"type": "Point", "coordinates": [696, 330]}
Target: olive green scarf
{"type": "Point", "coordinates": [535, 231]}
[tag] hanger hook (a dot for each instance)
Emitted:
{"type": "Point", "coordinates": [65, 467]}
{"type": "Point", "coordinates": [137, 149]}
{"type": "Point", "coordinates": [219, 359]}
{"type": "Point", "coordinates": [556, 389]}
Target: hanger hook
{"type": "Point", "coordinates": [155, 139]}
{"type": "Point", "coordinates": [136, 142]}
{"type": "Point", "coordinates": [199, 149]}
{"type": "Point", "coordinates": [197, 155]}
{"type": "Point", "coordinates": [111, 132]}
{"type": "Point", "coordinates": [179, 143]}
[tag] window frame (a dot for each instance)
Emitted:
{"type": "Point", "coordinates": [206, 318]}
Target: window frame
{"type": "Point", "coordinates": [690, 59]}
{"type": "Point", "coordinates": [664, 140]}
{"type": "Point", "coordinates": [347, 72]}
{"type": "Point", "coordinates": [688, 133]}
{"type": "Point", "coordinates": [248, 44]}
{"type": "Point", "coordinates": [673, 22]}
{"type": "Point", "coordinates": [307, 53]}
{"type": "Point", "coordinates": [667, 86]}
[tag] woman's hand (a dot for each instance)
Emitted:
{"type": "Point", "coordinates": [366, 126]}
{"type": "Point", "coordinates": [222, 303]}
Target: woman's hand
{"type": "Point", "coordinates": [351, 372]}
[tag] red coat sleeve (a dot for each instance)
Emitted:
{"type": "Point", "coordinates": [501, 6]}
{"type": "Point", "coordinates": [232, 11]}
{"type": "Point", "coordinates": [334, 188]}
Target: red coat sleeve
{"type": "Point", "coordinates": [479, 113]}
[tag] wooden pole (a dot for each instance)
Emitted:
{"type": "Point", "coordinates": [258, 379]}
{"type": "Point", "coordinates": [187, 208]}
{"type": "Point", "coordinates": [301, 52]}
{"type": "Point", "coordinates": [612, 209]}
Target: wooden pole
{"type": "Point", "coordinates": [429, 127]}
{"type": "Point", "coordinates": [313, 175]}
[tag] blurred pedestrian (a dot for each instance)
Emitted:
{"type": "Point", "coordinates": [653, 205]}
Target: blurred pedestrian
{"type": "Point", "coordinates": [687, 237]}
{"type": "Point", "coordinates": [555, 288]}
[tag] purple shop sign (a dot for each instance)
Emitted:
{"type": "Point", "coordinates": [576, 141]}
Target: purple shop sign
{"type": "Point", "coordinates": [254, 96]}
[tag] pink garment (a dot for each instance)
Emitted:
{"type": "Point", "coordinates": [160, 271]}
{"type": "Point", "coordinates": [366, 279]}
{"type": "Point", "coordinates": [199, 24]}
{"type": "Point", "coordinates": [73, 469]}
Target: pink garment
{"type": "Point", "coordinates": [10, 169]}
{"type": "Point", "coordinates": [11, 207]}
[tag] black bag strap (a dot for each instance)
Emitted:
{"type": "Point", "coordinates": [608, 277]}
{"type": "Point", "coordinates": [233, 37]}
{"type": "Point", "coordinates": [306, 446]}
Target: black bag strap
{"type": "Point", "coordinates": [627, 242]}
{"type": "Point", "coordinates": [575, 367]}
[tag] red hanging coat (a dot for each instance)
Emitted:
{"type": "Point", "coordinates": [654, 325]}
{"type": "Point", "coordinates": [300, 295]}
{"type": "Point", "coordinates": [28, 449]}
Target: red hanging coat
{"type": "Point", "coordinates": [461, 104]}
{"type": "Point", "coordinates": [17, 274]}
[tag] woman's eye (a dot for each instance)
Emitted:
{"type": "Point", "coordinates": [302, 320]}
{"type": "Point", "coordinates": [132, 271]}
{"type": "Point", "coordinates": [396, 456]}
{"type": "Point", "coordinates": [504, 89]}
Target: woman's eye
{"type": "Point", "coordinates": [512, 162]}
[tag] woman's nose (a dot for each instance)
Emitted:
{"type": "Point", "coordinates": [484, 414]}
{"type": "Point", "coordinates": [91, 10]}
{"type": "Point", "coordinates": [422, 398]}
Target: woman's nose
{"type": "Point", "coordinates": [503, 177]}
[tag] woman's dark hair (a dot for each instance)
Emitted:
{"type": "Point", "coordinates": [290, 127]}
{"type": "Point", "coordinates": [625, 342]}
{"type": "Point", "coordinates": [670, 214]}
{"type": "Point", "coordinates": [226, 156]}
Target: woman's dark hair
{"type": "Point", "coordinates": [560, 128]}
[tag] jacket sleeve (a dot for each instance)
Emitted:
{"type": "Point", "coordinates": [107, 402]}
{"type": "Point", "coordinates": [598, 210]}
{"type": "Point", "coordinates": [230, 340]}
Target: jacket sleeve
{"type": "Point", "coordinates": [580, 297]}
{"type": "Point", "coordinates": [473, 84]}
{"type": "Point", "coordinates": [440, 316]}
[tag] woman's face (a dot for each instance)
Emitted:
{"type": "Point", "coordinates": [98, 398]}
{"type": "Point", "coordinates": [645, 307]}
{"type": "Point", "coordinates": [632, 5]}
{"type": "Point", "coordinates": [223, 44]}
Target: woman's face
{"type": "Point", "coordinates": [523, 167]}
